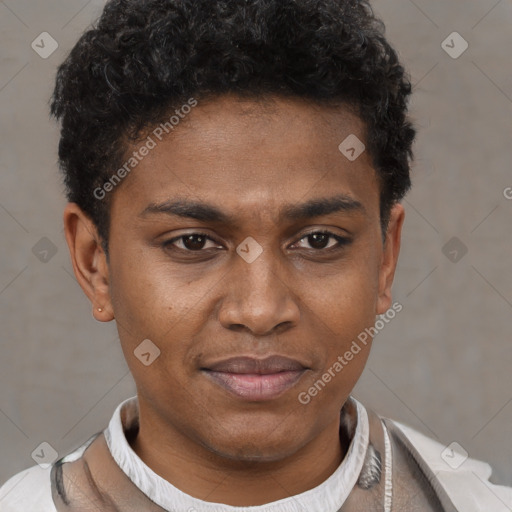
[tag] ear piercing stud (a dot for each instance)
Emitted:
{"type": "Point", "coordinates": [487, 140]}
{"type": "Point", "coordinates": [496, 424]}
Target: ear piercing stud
{"type": "Point", "coordinates": [100, 310]}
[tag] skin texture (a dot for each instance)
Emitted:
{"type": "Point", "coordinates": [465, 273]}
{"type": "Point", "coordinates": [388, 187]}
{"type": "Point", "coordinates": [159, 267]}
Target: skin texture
{"type": "Point", "coordinates": [301, 298]}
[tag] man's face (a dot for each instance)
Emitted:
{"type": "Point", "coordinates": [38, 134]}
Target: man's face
{"type": "Point", "coordinates": [241, 172]}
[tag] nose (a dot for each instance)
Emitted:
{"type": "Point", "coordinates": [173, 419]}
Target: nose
{"type": "Point", "coordinates": [259, 297]}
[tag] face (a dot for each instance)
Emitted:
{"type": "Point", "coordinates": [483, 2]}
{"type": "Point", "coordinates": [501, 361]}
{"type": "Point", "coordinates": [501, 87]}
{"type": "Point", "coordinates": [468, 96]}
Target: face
{"type": "Point", "coordinates": [249, 250]}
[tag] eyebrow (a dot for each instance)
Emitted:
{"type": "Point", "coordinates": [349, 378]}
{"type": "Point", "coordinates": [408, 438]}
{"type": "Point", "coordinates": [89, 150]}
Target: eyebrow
{"type": "Point", "coordinates": [322, 206]}
{"type": "Point", "coordinates": [206, 212]}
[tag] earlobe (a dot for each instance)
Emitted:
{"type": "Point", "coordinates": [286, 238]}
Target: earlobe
{"type": "Point", "coordinates": [89, 260]}
{"type": "Point", "coordinates": [391, 251]}
{"type": "Point", "coordinates": [102, 314]}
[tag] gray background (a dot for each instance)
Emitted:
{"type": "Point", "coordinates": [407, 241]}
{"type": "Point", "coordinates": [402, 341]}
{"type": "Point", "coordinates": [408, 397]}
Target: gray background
{"type": "Point", "coordinates": [443, 365]}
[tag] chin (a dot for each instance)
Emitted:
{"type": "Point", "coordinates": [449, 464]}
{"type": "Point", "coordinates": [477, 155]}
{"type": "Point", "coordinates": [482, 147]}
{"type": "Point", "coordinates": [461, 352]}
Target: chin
{"type": "Point", "coordinates": [247, 446]}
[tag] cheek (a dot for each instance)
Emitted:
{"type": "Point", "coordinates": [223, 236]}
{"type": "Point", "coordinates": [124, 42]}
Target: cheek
{"type": "Point", "coordinates": [345, 302]}
{"type": "Point", "coordinates": [340, 310]}
{"type": "Point", "coordinates": [340, 315]}
{"type": "Point", "coordinates": [149, 295]}
{"type": "Point", "coordinates": [154, 302]}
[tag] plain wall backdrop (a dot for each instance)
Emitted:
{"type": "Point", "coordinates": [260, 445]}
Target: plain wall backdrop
{"type": "Point", "coordinates": [443, 365]}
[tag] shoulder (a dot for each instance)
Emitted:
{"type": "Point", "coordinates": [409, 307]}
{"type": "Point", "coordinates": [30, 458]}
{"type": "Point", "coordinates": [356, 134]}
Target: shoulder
{"type": "Point", "coordinates": [28, 491]}
{"type": "Point", "coordinates": [466, 480]}
{"type": "Point", "coordinates": [31, 489]}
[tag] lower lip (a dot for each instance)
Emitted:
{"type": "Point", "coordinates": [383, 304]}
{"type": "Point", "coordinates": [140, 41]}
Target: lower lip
{"type": "Point", "coordinates": [255, 387]}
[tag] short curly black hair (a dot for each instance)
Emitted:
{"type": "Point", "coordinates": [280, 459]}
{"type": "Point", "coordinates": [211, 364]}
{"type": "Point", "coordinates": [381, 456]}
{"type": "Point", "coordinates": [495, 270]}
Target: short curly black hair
{"type": "Point", "coordinates": [144, 58]}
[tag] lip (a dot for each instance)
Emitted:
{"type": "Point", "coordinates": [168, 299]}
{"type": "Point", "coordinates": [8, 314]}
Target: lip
{"type": "Point", "coordinates": [256, 379]}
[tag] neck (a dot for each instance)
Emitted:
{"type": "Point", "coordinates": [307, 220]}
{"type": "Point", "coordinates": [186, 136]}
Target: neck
{"type": "Point", "coordinates": [210, 477]}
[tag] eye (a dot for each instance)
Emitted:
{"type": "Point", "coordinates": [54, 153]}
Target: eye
{"type": "Point", "coordinates": [320, 240]}
{"type": "Point", "coordinates": [192, 242]}
{"type": "Point", "coordinates": [198, 242]}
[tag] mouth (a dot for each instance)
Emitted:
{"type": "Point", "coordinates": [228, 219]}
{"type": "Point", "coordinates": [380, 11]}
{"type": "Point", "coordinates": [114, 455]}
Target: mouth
{"type": "Point", "coordinates": [255, 379]}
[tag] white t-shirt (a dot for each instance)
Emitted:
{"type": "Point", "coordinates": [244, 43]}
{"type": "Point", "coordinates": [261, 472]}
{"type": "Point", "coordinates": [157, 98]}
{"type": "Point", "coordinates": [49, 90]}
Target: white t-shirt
{"type": "Point", "coordinates": [467, 486]}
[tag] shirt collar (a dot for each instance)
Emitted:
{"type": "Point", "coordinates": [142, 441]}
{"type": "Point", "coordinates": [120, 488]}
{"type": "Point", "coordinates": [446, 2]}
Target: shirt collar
{"type": "Point", "coordinates": [329, 496]}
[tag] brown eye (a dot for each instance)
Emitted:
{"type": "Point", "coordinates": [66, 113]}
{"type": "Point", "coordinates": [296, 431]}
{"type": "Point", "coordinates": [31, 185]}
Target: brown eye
{"type": "Point", "coordinates": [320, 240]}
{"type": "Point", "coordinates": [192, 242]}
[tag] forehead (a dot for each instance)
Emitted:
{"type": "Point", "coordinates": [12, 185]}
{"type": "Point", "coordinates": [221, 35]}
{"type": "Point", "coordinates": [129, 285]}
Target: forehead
{"type": "Point", "coordinates": [244, 153]}
{"type": "Point", "coordinates": [276, 123]}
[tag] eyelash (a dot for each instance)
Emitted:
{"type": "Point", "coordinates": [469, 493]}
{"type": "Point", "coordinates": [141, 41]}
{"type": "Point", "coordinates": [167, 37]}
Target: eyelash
{"type": "Point", "coordinates": [341, 241]}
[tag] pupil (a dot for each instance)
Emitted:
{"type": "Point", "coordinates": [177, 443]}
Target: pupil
{"type": "Point", "coordinates": [189, 242]}
{"type": "Point", "coordinates": [318, 240]}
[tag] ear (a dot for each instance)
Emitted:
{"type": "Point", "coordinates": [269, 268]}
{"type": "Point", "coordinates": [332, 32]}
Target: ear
{"type": "Point", "coordinates": [89, 260]}
{"type": "Point", "coordinates": [389, 260]}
